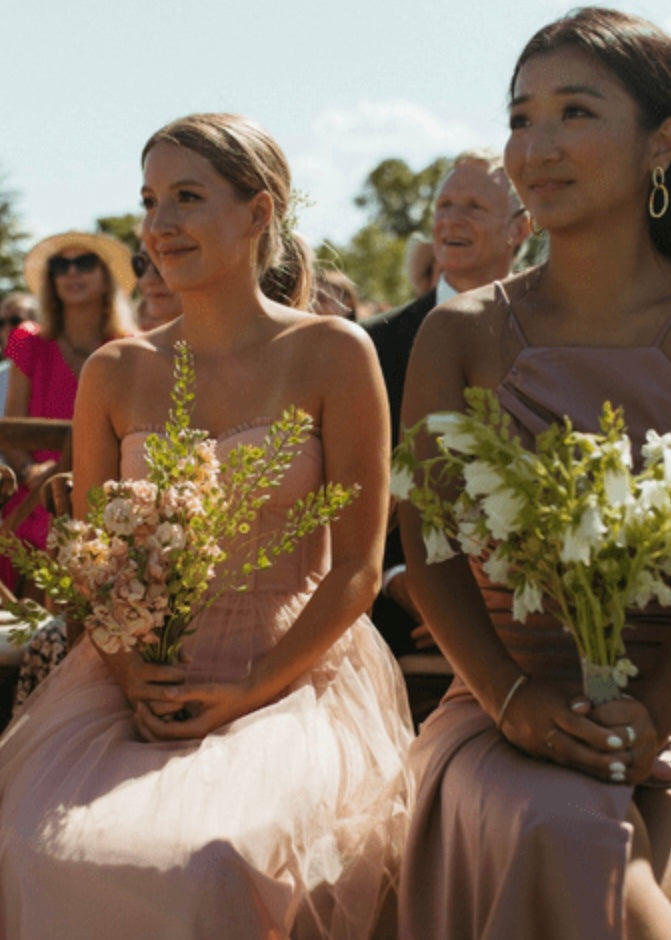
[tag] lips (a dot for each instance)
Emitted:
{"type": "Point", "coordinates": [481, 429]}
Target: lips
{"type": "Point", "coordinates": [549, 185]}
{"type": "Point", "coordinates": [172, 253]}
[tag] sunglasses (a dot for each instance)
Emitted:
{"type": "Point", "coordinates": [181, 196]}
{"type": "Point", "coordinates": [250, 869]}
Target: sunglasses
{"type": "Point", "coordinates": [141, 262]}
{"type": "Point", "coordinates": [10, 321]}
{"type": "Point", "coordinates": [58, 265]}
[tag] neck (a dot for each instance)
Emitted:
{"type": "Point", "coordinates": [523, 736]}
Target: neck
{"type": "Point", "coordinates": [83, 326]}
{"type": "Point", "coordinates": [468, 280]}
{"type": "Point", "coordinates": [605, 277]}
{"type": "Point", "coordinates": [223, 320]}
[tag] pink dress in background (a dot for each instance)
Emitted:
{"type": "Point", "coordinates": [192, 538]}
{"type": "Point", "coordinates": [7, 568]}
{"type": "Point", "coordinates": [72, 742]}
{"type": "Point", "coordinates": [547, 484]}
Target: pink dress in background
{"type": "Point", "coordinates": [501, 846]}
{"type": "Point", "coordinates": [288, 822]}
{"type": "Point", "coordinates": [53, 387]}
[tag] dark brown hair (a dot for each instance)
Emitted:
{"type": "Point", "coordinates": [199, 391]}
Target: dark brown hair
{"type": "Point", "coordinates": [635, 51]}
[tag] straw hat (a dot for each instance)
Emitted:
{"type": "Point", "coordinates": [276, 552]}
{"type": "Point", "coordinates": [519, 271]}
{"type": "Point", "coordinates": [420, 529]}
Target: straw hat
{"type": "Point", "coordinates": [114, 253]}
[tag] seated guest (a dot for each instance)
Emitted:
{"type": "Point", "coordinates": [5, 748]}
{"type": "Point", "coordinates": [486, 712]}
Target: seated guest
{"type": "Point", "coordinates": [259, 788]}
{"type": "Point", "coordinates": [157, 304]}
{"type": "Point", "coordinates": [541, 814]}
{"type": "Point", "coordinates": [79, 279]}
{"type": "Point", "coordinates": [479, 226]}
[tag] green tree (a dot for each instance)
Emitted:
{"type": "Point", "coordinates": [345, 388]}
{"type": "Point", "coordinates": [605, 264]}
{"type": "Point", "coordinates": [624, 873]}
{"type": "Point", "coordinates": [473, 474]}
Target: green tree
{"type": "Point", "coordinates": [373, 259]}
{"type": "Point", "coordinates": [12, 238]}
{"type": "Point", "coordinates": [124, 227]}
{"type": "Point", "coordinates": [398, 202]}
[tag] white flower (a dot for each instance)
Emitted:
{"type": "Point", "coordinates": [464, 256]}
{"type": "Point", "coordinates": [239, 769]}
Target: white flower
{"type": "Point", "coordinates": [621, 449]}
{"type": "Point", "coordinates": [502, 509]}
{"type": "Point", "coordinates": [496, 569]}
{"type": "Point", "coordinates": [526, 600]}
{"type": "Point", "coordinates": [654, 494]}
{"type": "Point", "coordinates": [453, 430]}
{"type": "Point", "coordinates": [480, 478]}
{"type": "Point", "coordinates": [438, 547]}
{"type": "Point", "coordinates": [579, 540]}
{"type": "Point", "coordinates": [616, 486]}
{"type": "Point", "coordinates": [470, 540]}
{"type": "Point", "coordinates": [657, 449]}
{"type": "Point", "coordinates": [402, 481]}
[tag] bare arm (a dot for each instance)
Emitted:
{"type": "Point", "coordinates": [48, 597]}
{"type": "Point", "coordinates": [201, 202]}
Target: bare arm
{"type": "Point", "coordinates": [99, 410]}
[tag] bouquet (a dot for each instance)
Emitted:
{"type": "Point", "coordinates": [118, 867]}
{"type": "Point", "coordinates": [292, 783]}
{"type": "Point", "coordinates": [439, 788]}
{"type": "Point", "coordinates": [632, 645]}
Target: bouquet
{"type": "Point", "coordinates": [140, 566]}
{"type": "Point", "coordinates": [568, 527]}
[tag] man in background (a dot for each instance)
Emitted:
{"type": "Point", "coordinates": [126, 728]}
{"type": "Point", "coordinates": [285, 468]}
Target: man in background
{"type": "Point", "coordinates": [478, 229]}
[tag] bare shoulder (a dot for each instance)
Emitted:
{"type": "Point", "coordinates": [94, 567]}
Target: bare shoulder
{"type": "Point", "coordinates": [459, 326]}
{"type": "Point", "coordinates": [332, 340]}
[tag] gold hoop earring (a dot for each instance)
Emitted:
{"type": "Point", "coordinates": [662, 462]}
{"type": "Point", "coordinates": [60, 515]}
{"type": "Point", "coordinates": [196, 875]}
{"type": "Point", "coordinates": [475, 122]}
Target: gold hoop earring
{"type": "Point", "coordinates": [658, 187]}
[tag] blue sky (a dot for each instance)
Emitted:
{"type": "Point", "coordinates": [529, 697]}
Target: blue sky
{"type": "Point", "coordinates": [340, 85]}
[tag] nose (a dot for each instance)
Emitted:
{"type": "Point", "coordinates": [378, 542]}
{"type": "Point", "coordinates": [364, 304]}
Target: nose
{"type": "Point", "coordinates": [542, 142]}
{"type": "Point", "coordinates": [161, 219]}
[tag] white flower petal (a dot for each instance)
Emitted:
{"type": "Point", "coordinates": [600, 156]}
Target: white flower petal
{"type": "Point", "coordinates": [402, 481]}
{"type": "Point", "coordinates": [438, 547]}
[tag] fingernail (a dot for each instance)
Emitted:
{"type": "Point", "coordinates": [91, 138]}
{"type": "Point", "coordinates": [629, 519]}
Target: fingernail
{"type": "Point", "coordinates": [579, 706]}
{"type": "Point", "coordinates": [617, 767]}
{"type": "Point", "coordinates": [617, 778]}
{"type": "Point", "coordinates": [615, 742]}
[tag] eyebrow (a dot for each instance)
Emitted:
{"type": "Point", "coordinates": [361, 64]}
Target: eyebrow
{"type": "Point", "coordinates": [564, 90]}
{"type": "Point", "coordinates": [179, 183]}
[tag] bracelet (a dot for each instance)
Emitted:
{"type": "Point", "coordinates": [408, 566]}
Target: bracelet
{"type": "Point", "coordinates": [517, 684]}
{"type": "Point", "coordinates": [389, 575]}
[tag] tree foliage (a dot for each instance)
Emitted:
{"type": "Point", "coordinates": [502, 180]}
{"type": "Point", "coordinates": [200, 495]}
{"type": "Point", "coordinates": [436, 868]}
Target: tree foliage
{"type": "Point", "coordinates": [399, 200]}
{"type": "Point", "coordinates": [12, 237]}
{"type": "Point", "coordinates": [124, 227]}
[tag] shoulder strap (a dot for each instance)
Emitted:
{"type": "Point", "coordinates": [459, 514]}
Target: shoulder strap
{"type": "Point", "coordinates": [512, 323]}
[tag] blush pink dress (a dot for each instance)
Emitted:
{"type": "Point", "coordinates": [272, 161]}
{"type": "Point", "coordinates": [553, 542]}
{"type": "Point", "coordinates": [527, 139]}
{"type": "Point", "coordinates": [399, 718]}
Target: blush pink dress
{"type": "Point", "coordinates": [288, 822]}
{"type": "Point", "coordinates": [502, 846]}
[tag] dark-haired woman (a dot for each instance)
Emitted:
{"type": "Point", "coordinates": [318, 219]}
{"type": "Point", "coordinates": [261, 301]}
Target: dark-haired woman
{"type": "Point", "coordinates": [278, 808]}
{"type": "Point", "coordinates": [540, 815]}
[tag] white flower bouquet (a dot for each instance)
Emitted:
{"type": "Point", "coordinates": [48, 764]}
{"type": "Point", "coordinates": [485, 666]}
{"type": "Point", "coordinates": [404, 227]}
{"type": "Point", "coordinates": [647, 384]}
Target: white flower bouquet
{"type": "Point", "coordinates": [140, 566]}
{"type": "Point", "coordinates": [569, 527]}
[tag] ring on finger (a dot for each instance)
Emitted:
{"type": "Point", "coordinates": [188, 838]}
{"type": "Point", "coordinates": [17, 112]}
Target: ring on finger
{"type": "Point", "coordinates": [631, 734]}
{"type": "Point", "coordinates": [549, 736]}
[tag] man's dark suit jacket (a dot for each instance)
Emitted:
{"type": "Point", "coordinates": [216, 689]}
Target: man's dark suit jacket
{"type": "Point", "coordinates": [393, 333]}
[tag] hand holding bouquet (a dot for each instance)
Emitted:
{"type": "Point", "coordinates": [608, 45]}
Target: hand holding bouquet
{"type": "Point", "coordinates": [139, 567]}
{"type": "Point", "coordinates": [569, 527]}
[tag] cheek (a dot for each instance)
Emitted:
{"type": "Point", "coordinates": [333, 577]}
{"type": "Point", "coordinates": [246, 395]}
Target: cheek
{"type": "Point", "coordinates": [512, 156]}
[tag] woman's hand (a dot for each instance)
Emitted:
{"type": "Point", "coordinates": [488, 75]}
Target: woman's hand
{"type": "Point", "coordinates": [615, 742]}
{"type": "Point", "coordinates": [143, 682]}
{"type": "Point", "coordinates": [192, 711]}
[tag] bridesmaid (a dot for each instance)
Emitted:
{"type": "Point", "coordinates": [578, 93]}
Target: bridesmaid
{"type": "Point", "coordinates": [539, 815]}
{"type": "Point", "coordinates": [278, 808]}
